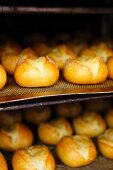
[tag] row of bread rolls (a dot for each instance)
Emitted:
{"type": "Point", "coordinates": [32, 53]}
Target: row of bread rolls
{"type": "Point", "coordinates": [79, 62]}
{"type": "Point", "coordinates": [74, 151]}
{"type": "Point", "coordinates": [18, 137]}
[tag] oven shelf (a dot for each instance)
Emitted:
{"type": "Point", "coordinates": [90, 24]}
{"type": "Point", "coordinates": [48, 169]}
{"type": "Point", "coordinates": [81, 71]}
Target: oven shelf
{"type": "Point", "coordinates": [55, 10]}
{"type": "Point", "coordinates": [14, 97]}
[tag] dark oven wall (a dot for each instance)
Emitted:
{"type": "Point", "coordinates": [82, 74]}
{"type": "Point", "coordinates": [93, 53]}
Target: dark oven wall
{"type": "Point", "coordinates": [20, 25]}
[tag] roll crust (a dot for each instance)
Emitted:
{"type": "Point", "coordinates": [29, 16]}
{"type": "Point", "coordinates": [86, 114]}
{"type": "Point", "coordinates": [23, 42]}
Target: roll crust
{"type": "Point", "coordinates": [109, 118]}
{"type": "Point", "coordinates": [36, 72]}
{"type": "Point", "coordinates": [3, 77]}
{"type": "Point", "coordinates": [15, 136]}
{"type": "Point", "coordinates": [10, 117]}
{"type": "Point", "coordinates": [51, 133]}
{"type": "Point", "coordinates": [105, 143]}
{"type": "Point", "coordinates": [3, 163]}
{"type": "Point", "coordinates": [61, 54]}
{"type": "Point", "coordinates": [9, 56]}
{"type": "Point", "coordinates": [76, 151]}
{"type": "Point", "coordinates": [90, 124]}
{"type": "Point", "coordinates": [37, 115]}
{"type": "Point", "coordinates": [69, 110]}
{"type": "Point", "coordinates": [89, 68]}
{"type": "Point", "coordinates": [36, 157]}
{"type": "Point", "coordinates": [110, 67]}
{"type": "Point", "coordinates": [103, 51]}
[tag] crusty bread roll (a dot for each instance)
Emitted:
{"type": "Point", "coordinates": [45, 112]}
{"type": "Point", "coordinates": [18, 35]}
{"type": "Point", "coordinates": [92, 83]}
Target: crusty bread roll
{"type": "Point", "coordinates": [37, 115]}
{"type": "Point", "coordinates": [89, 68]}
{"type": "Point", "coordinates": [40, 49]}
{"type": "Point", "coordinates": [105, 143]}
{"type": "Point", "coordinates": [36, 72]}
{"type": "Point", "coordinates": [109, 118]}
{"type": "Point", "coordinates": [97, 105]}
{"type": "Point", "coordinates": [36, 157]}
{"type": "Point", "coordinates": [103, 51]}
{"type": "Point", "coordinates": [9, 56]}
{"type": "Point", "coordinates": [77, 46]}
{"type": "Point", "coordinates": [90, 124]}
{"type": "Point", "coordinates": [76, 151]}
{"type": "Point", "coordinates": [68, 110]}
{"type": "Point", "coordinates": [15, 136]}
{"type": "Point", "coordinates": [3, 77]}
{"type": "Point", "coordinates": [51, 133]}
{"type": "Point", "coordinates": [61, 54]}
{"type": "Point", "coordinates": [110, 67]}
{"type": "Point", "coordinates": [10, 117]}
{"type": "Point", "coordinates": [3, 163]}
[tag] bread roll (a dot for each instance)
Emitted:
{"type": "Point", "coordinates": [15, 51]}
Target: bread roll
{"type": "Point", "coordinates": [90, 124]}
{"type": "Point", "coordinates": [51, 133]}
{"type": "Point", "coordinates": [10, 117]}
{"type": "Point", "coordinates": [109, 118]}
{"type": "Point", "coordinates": [110, 67]}
{"type": "Point", "coordinates": [103, 51]}
{"type": "Point", "coordinates": [61, 54]}
{"type": "Point", "coordinates": [98, 105]}
{"type": "Point", "coordinates": [3, 163]}
{"type": "Point", "coordinates": [9, 56]}
{"type": "Point", "coordinates": [89, 68]}
{"type": "Point", "coordinates": [76, 151]}
{"type": "Point", "coordinates": [68, 110]}
{"type": "Point", "coordinates": [36, 72]}
{"type": "Point", "coordinates": [36, 157]}
{"type": "Point", "coordinates": [37, 115]}
{"type": "Point", "coordinates": [105, 143]}
{"type": "Point", "coordinates": [3, 77]}
{"type": "Point", "coordinates": [41, 49]}
{"type": "Point", "coordinates": [15, 136]}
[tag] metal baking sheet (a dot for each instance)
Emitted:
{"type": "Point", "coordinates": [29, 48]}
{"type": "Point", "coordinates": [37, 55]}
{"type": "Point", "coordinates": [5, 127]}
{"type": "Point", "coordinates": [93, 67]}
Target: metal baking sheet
{"type": "Point", "coordinates": [14, 93]}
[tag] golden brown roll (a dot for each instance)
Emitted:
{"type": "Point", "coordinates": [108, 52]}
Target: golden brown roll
{"type": "Point", "coordinates": [103, 51]}
{"type": "Point", "coordinates": [52, 132]}
{"type": "Point", "coordinates": [37, 115]}
{"type": "Point", "coordinates": [109, 118]}
{"type": "Point", "coordinates": [110, 67]}
{"type": "Point", "coordinates": [77, 46]}
{"type": "Point", "coordinates": [105, 143]}
{"type": "Point", "coordinates": [61, 54]}
{"type": "Point", "coordinates": [36, 72]}
{"type": "Point", "coordinates": [97, 105]}
{"type": "Point", "coordinates": [3, 163]}
{"type": "Point", "coordinates": [41, 49]}
{"type": "Point", "coordinates": [68, 110]}
{"type": "Point", "coordinates": [90, 124]}
{"type": "Point", "coordinates": [9, 56]}
{"type": "Point", "coordinates": [15, 136]}
{"type": "Point", "coordinates": [76, 151]}
{"type": "Point", "coordinates": [10, 117]}
{"type": "Point", "coordinates": [36, 157]}
{"type": "Point", "coordinates": [89, 68]}
{"type": "Point", "coordinates": [3, 77]}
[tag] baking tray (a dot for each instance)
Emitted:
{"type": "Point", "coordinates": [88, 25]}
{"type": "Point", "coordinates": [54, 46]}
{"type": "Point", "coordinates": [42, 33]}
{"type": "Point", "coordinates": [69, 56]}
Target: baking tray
{"type": "Point", "coordinates": [62, 90]}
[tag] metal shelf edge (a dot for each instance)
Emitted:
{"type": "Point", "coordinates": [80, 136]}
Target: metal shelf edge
{"type": "Point", "coordinates": [55, 10]}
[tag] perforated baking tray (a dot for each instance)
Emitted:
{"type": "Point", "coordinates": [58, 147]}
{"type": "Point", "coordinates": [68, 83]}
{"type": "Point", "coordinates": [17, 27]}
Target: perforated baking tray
{"type": "Point", "coordinates": [13, 93]}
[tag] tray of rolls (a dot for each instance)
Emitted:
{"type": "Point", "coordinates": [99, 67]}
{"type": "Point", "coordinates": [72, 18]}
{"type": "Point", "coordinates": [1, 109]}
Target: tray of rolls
{"type": "Point", "coordinates": [67, 136]}
{"type": "Point", "coordinates": [57, 66]}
